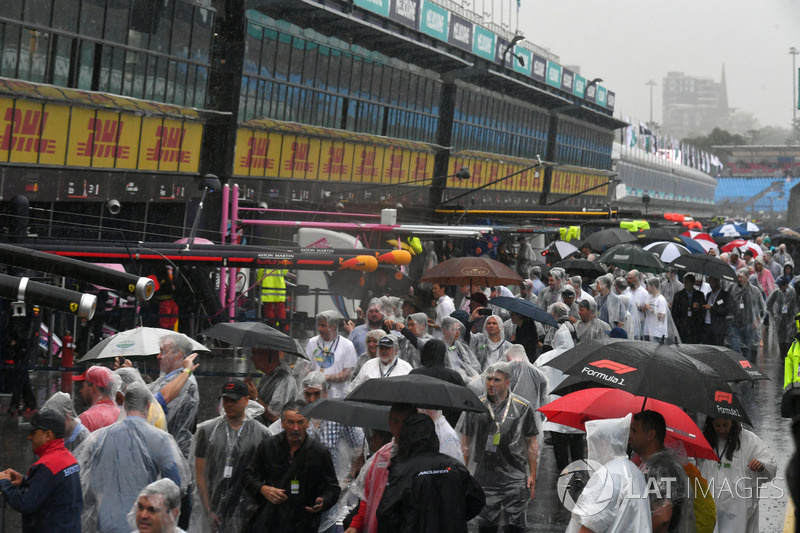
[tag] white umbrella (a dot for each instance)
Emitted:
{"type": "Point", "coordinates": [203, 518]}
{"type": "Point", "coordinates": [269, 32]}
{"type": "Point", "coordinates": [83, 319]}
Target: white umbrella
{"type": "Point", "coordinates": [135, 343]}
{"type": "Point", "coordinates": [667, 251]}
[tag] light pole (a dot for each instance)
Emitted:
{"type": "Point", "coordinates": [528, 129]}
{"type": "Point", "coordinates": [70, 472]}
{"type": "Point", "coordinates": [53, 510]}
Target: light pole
{"type": "Point", "coordinates": [651, 84]}
{"type": "Point", "coordinates": [793, 52]}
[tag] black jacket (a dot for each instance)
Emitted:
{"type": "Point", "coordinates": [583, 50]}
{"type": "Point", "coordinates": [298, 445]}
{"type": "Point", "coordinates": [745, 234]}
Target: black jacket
{"type": "Point", "coordinates": [432, 357]}
{"type": "Point", "coordinates": [427, 490]}
{"type": "Point", "coordinates": [311, 466]}
{"type": "Point", "coordinates": [688, 315]}
{"type": "Point", "coordinates": [720, 309]}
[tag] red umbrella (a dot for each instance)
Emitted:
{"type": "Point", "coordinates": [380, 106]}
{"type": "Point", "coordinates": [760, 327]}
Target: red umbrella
{"type": "Point", "coordinates": [742, 245]}
{"type": "Point", "coordinates": [578, 407]}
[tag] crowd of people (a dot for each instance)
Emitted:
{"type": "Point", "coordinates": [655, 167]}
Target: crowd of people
{"type": "Point", "coordinates": [137, 458]}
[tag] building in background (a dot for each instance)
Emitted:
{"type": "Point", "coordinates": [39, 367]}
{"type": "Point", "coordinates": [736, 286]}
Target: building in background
{"type": "Point", "coordinates": [694, 106]}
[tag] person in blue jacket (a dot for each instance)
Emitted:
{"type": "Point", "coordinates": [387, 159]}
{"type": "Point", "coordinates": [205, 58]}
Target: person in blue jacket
{"type": "Point", "coordinates": [49, 496]}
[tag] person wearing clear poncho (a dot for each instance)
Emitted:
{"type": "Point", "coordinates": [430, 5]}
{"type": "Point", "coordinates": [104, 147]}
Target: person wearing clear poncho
{"type": "Point", "coordinates": [415, 335]}
{"type": "Point", "coordinates": [490, 345]}
{"type": "Point", "coordinates": [222, 449]}
{"type": "Point", "coordinates": [119, 460]}
{"type": "Point", "coordinates": [615, 497]}
{"type": "Point", "coordinates": [631, 321]}
{"type": "Point", "coordinates": [75, 433]}
{"type": "Point", "coordinates": [155, 414]}
{"type": "Point", "coordinates": [157, 508]}
{"type": "Point", "coordinates": [501, 449]}
{"type": "Point", "coordinates": [459, 357]}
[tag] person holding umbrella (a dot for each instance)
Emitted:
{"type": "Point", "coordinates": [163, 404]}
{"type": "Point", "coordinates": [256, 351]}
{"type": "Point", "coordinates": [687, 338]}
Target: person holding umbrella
{"type": "Point", "coordinates": [744, 463]}
{"type": "Point", "coordinates": [501, 449]}
{"type": "Point", "coordinates": [277, 386]}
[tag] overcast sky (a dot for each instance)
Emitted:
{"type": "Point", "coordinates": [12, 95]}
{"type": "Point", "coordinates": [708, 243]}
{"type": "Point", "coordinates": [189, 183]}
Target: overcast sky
{"type": "Point", "coordinates": [628, 42]}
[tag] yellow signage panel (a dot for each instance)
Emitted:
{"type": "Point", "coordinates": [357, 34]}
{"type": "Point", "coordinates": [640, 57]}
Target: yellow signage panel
{"type": "Point", "coordinates": [565, 182]}
{"type": "Point", "coordinates": [53, 142]}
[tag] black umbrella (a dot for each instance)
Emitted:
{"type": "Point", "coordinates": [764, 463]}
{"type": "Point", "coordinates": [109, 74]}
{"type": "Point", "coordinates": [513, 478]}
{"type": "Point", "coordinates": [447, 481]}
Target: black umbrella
{"type": "Point", "coordinates": [603, 239]}
{"type": "Point", "coordinates": [356, 414]}
{"type": "Point", "coordinates": [581, 265]}
{"type": "Point", "coordinates": [653, 370]}
{"type": "Point", "coordinates": [524, 308]}
{"type": "Point", "coordinates": [254, 335]}
{"type": "Point", "coordinates": [706, 265]}
{"type": "Point", "coordinates": [730, 365]}
{"type": "Point", "coordinates": [658, 235]}
{"type": "Point", "coordinates": [630, 257]}
{"type": "Point", "coordinates": [423, 391]}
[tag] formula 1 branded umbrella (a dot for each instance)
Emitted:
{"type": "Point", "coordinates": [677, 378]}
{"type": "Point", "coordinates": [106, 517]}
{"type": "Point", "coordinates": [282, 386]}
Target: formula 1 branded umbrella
{"type": "Point", "coordinates": [667, 251]}
{"type": "Point", "coordinates": [653, 370]}
{"type": "Point", "coordinates": [706, 265]}
{"type": "Point", "coordinates": [576, 408]}
{"type": "Point", "coordinates": [630, 257]}
{"type": "Point", "coordinates": [603, 239]}
{"type": "Point", "coordinates": [349, 413]}
{"type": "Point", "coordinates": [417, 389]}
{"type": "Point", "coordinates": [524, 308]}
{"type": "Point", "coordinates": [136, 343]}
{"type": "Point", "coordinates": [473, 271]}
{"type": "Point", "coordinates": [730, 365]}
{"type": "Point", "coordinates": [254, 335]}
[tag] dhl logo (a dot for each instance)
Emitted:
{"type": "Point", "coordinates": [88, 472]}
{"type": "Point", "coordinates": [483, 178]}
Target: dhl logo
{"type": "Point", "coordinates": [168, 146]}
{"type": "Point", "coordinates": [722, 396]}
{"type": "Point", "coordinates": [257, 154]}
{"type": "Point", "coordinates": [335, 164]}
{"type": "Point", "coordinates": [299, 159]}
{"type": "Point", "coordinates": [617, 368]}
{"type": "Point", "coordinates": [23, 132]}
{"type": "Point", "coordinates": [395, 169]}
{"type": "Point", "coordinates": [102, 140]}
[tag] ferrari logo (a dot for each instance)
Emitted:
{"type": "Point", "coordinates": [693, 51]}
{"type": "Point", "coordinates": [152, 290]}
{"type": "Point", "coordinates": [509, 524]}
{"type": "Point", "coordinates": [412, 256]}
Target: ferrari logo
{"type": "Point", "coordinates": [131, 288]}
{"type": "Point", "coordinates": [73, 306]}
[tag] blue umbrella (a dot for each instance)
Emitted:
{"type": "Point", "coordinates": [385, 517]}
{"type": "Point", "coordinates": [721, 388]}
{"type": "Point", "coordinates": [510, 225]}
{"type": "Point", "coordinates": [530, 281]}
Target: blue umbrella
{"type": "Point", "coordinates": [524, 308]}
{"type": "Point", "coordinates": [692, 245]}
{"type": "Point", "coordinates": [729, 230]}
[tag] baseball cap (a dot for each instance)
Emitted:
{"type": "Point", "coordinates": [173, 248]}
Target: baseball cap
{"type": "Point", "coordinates": [568, 291]}
{"type": "Point", "coordinates": [234, 389]}
{"type": "Point", "coordinates": [96, 375]}
{"type": "Point", "coordinates": [386, 341]}
{"type": "Point", "coordinates": [46, 420]}
{"type": "Point", "coordinates": [618, 333]}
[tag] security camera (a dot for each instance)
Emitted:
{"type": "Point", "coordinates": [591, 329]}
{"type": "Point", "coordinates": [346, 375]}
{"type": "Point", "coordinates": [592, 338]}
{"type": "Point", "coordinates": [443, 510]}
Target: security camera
{"type": "Point", "coordinates": [263, 205]}
{"type": "Point", "coordinates": [113, 207]}
{"type": "Point", "coordinates": [398, 205]}
{"type": "Point", "coordinates": [339, 207]}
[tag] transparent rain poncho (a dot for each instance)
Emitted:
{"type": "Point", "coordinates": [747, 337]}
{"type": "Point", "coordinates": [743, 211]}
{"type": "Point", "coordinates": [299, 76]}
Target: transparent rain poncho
{"type": "Point", "coordinates": [667, 483]}
{"type": "Point", "coordinates": [486, 351]}
{"type": "Point", "coordinates": [118, 461]}
{"type": "Point", "coordinates": [606, 503]}
{"type": "Point", "coordinates": [223, 454]}
{"type": "Point", "coordinates": [562, 341]}
{"type": "Point", "coordinates": [61, 403]}
{"type": "Point", "coordinates": [408, 351]}
{"type": "Point", "coordinates": [459, 357]}
{"type": "Point", "coordinates": [155, 415]}
{"type": "Point", "coordinates": [526, 380]}
{"type": "Point", "coordinates": [164, 495]}
{"type": "Point", "coordinates": [181, 412]}
{"type": "Point", "coordinates": [496, 462]}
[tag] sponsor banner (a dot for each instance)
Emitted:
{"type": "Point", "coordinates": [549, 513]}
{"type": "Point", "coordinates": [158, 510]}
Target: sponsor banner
{"type": "Point", "coordinates": [538, 68]}
{"type": "Point", "coordinates": [527, 59]}
{"type": "Point", "coordinates": [601, 96]}
{"type": "Point", "coordinates": [406, 12]}
{"type": "Point", "coordinates": [381, 7]}
{"type": "Point", "coordinates": [285, 155]}
{"type": "Point", "coordinates": [56, 134]}
{"type": "Point", "coordinates": [486, 170]}
{"type": "Point", "coordinates": [461, 32]}
{"type": "Point", "coordinates": [579, 86]}
{"type": "Point", "coordinates": [567, 80]}
{"type": "Point", "coordinates": [483, 43]}
{"type": "Point", "coordinates": [567, 182]}
{"type": "Point", "coordinates": [591, 93]}
{"type": "Point", "coordinates": [553, 74]}
{"type": "Point", "coordinates": [434, 21]}
{"type": "Point", "coordinates": [610, 100]}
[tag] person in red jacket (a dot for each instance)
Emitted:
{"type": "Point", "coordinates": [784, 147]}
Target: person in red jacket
{"type": "Point", "coordinates": [49, 496]}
